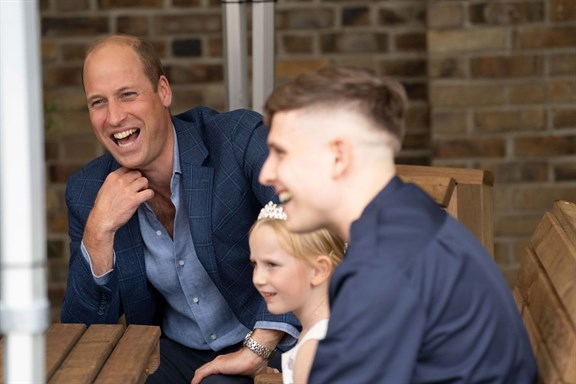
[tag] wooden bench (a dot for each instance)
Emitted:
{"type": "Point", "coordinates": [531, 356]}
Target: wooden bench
{"type": "Point", "coordinates": [99, 354]}
{"type": "Point", "coordinates": [545, 293]}
{"type": "Point", "coordinates": [466, 194]}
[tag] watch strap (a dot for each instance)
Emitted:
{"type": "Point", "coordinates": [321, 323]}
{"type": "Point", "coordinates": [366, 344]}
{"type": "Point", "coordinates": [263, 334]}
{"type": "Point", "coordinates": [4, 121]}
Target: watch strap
{"type": "Point", "coordinates": [257, 348]}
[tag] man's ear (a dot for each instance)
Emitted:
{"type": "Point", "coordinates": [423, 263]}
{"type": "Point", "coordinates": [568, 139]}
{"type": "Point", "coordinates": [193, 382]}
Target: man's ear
{"type": "Point", "coordinates": [164, 91]}
{"type": "Point", "coordinates": [322, 270]}
{"type": "Point", "coordinates": [342, 154]}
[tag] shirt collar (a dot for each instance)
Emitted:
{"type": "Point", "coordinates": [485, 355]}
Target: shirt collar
{"type": "Point", "coordinates": [176, 168]}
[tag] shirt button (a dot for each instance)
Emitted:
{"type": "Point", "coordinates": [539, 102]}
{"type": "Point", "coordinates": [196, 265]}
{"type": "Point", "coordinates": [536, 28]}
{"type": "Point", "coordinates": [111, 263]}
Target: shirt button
{"type": "Point", "coordinates": [213, 336]}
{"type": "Point", "coordinates": [181, 262]}
{"type": "Point", "coordinates": [159, 233]}
{"type": "Point", "coordinates": [195, 300]}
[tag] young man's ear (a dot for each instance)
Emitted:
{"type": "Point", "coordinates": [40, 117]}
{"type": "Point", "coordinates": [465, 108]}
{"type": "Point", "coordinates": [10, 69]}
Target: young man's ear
{"type": "Point", "coordinates": [322, 270]}
{"type": "Point", "coordinates": [342, 153]}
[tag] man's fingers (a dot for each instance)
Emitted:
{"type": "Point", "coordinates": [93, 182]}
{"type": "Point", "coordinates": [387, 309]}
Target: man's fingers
{"type": "Point", "coordinates": [129, 179]}
{"type": "Point", "coordinates": [202, 372]}
{"type": "Point", "coordinates": [140, 183]}
{"type": "Point", "coordinates": [125, 174]}
{"type": "Point", "coordinates": [145, 194]}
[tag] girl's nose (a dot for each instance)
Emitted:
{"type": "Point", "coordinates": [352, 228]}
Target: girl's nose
{"type": "Point", "coordinates": [258, 278]}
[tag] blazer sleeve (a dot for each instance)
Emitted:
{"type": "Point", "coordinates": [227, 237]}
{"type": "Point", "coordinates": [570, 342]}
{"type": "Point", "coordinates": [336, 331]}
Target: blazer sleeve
{"type": "Point", "coordinates": [84, 300]}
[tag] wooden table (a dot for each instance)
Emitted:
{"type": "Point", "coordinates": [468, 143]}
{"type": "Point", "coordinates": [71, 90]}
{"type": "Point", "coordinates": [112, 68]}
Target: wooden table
{"type": "Point", "coordinates": [111, 353]}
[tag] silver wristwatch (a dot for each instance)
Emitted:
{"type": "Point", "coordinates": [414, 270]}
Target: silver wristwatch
{"type": "Point", "coordinates": [257, 348]}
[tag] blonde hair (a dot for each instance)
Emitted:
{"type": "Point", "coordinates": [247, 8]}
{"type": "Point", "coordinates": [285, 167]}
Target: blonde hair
{"type": "Point", "coordinates": [306, 246]}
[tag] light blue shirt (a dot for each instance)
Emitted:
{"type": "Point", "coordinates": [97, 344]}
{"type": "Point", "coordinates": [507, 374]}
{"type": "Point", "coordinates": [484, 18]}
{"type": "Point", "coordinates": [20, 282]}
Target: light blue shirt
{"type": "Point", "coordinates": [197, 315]}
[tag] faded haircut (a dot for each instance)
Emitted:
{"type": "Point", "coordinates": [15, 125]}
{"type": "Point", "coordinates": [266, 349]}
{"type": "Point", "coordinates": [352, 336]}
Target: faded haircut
{"type": "Point", "coordinates": [382, 100]}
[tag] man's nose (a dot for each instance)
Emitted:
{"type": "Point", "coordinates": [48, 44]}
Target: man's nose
{"type": "Point", "coordinates": [116, 113]}
{"type": "Point", "coordinates": [267, 173]}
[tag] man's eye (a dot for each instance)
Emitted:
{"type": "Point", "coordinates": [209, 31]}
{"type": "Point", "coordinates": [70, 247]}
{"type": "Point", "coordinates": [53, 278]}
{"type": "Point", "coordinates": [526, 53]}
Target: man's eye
{"type": "Point", "coordinates": [96, 103]}
{"type": "Point", "coordinates": [128, 95]}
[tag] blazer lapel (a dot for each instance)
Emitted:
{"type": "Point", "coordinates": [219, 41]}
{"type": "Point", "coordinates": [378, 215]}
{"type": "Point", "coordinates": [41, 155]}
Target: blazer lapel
{"type": "Point", "coordinates": [198, 181]}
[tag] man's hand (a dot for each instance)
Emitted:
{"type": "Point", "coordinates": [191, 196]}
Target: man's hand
{"type": "Point", "coordinates": [117, 200]}
{"type": "Point", "coordinates": [242, 362]}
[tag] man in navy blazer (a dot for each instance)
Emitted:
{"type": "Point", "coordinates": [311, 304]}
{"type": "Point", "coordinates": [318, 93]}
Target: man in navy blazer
{"type": "Point", "coordinates": [159, 224]}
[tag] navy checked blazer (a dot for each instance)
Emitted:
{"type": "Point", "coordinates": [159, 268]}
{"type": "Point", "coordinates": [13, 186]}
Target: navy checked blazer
{"type": "Point", "coordinates": [221, 155]}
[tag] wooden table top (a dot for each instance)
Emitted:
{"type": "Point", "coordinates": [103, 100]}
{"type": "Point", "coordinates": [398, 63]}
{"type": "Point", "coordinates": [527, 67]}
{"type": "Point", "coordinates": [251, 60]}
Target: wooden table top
{"type": "Point", "coordinates": [111, 353]}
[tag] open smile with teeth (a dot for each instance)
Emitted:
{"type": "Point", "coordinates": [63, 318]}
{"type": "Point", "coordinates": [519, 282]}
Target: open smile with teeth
{"type": "Point", "coordinates": [267, 295]}
{"type": "Point", "coordinates": [125, 139]}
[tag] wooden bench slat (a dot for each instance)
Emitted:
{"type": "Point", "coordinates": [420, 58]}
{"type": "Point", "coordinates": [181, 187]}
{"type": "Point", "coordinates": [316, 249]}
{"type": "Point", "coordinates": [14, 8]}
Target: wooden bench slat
{"type": "Point", "coordinates": [557, 253]}
{"type": "Point", "coordinates": [461, 175]}
{"type": "Point", "coordinates": [520, 303]}
{"type": "Point", "coordinates": [108, 353]}
{"type": "Point", "coordinates": [479, 215]}
{"type": "Point", "coordinates": [268, 378]}
{"type": "Point", "coordinates": [440, 188]}
{"type": "Point", "coordinates": [466, 194]}
{"type": "Point", "coordinates": [60, 339]}
{"type": "Point", "coordinates": [134, 358]}
{"type": "Point", "coordinates": [547, 370]}
{"type": "Point", "coordinates": [550, 319]}
{"type": "Point", "coordinates": [89, 355]}
{"type": "Point", "coordinates": [565, 212]}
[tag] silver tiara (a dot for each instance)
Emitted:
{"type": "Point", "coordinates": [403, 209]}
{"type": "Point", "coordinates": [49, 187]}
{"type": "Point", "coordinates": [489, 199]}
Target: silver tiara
{"type": "Point", "coordinates": [272, 211]}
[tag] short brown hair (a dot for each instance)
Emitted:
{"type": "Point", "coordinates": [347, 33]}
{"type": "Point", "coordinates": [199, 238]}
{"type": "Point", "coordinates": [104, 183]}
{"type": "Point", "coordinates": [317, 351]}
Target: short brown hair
{"type": "Point", "coordinates": [145, 50]}
{"type": "Point", "coordinates": [382, 100]}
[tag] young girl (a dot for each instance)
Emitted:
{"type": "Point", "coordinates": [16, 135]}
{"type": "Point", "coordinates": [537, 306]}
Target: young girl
{"type": "Point", "coordinates": [292, 272]}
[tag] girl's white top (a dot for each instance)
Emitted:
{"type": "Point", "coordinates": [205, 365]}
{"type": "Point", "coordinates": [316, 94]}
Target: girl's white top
{"type": "Point", "coordinates": [317, 332]}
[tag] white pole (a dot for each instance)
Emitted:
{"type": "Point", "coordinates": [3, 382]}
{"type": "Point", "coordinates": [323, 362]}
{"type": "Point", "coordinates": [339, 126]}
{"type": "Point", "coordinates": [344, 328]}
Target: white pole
{"type": "Point", "coordinates": [262, 53]}
{"type": "Point", "coordinates": [235, 53]}
{"type": "Point", "coordinates": [23, 302]}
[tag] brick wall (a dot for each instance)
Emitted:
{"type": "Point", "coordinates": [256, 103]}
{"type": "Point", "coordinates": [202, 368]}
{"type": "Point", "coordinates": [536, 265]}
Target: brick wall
{"type": "Point", "coordinates": [491, 85]}
{"type": "Point", "coordinates": [502, 97]}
